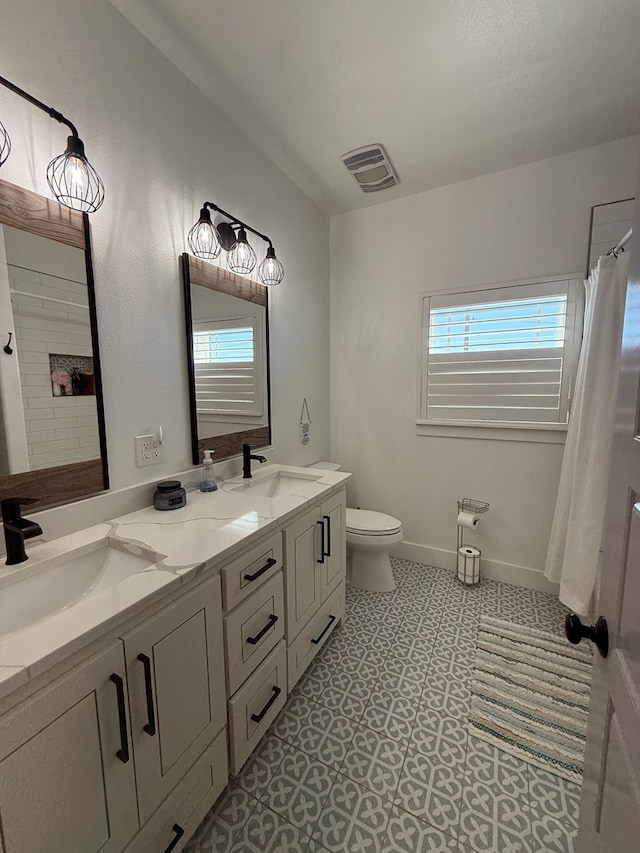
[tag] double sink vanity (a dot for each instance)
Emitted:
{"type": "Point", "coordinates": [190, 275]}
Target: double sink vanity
{"type": "Point", "coordinates": [142, 660]}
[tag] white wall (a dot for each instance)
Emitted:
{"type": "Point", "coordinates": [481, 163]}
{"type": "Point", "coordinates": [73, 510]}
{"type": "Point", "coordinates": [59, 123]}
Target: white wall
{"type": "Point", "coordinates": [162, 149]}
{"type": "Point", "coordinates": [522, 223]}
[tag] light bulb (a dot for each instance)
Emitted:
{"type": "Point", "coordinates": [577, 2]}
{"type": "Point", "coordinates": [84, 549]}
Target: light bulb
{"type": "Point", "coordinates": [271, 271]}
{"type": "Point", "coordinates": [75, 176]}
{"type": "Point", "coordinates": [241, 258]}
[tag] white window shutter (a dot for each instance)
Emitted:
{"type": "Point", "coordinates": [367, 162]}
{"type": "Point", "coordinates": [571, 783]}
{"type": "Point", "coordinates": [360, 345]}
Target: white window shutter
{"type": "Point", "coordinates": [227, 370]}
{"type": "Point", "coordinates": [500, 355]}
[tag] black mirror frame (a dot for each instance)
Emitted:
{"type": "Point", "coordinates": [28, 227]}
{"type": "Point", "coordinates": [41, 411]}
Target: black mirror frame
{"type": "Point", "coordinates": [62, 484]}
{"type": "Point", "coordinates": [196, 271]}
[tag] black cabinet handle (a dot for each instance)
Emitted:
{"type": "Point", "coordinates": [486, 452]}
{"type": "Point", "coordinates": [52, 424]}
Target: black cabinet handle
{"type": "Point", "coordinates": [332, 619]}
{"type": "Point", "coordinates": [271, 622]}
{"type": "Point", "coordinates": [322, 554]}
{"type": "Point", "coordinates": [257, 718]}
{"type": "Point", "coordinates": [179, 832]}
{"type": "Point", "coordinates": [123, 752]}
{"type": "Point", "coordinates": [270, 562]}
{"type": "Point", "coordinates": [327, 553]}
{"type": "Point", "coordinates": [150, 726]}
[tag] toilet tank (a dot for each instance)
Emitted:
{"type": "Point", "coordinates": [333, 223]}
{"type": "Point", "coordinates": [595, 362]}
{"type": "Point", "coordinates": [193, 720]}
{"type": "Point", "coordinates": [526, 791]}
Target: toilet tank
{"type": "Point", "coordinates": [327, 466]}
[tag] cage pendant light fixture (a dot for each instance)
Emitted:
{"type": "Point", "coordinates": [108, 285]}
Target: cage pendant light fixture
{"type": "Point", "coordinates": [72, 179]}
{"type": "Point", "coordinates": [207, 240]}
{"type": "Point", "coordinates": [241, 258]}
{"type": "Point", "coordinates": [5, 144]}
{"type": "Point", "coordinates": [203, 237]}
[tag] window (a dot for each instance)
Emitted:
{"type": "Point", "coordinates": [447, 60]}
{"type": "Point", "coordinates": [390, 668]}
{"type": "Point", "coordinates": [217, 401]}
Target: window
{"type": "Point", "coordinates": [228, 375]}
{"type": "Point", "coordinates": [500, 356]}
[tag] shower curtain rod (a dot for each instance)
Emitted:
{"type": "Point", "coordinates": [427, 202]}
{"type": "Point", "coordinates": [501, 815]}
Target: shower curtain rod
{"type": "Point", "coordinates": [619, 247]}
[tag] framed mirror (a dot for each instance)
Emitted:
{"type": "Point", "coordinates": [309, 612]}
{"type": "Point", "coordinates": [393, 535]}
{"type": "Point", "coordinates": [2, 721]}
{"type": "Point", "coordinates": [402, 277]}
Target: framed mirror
{"type": "Point", "coordinates": [227, 336]}
{"type": "Point", "coordinates": [52, 433]}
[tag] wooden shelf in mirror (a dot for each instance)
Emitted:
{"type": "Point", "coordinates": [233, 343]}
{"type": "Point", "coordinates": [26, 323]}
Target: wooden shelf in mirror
{"type": "Point", "coordinates": [55, 486]}
{"type": "Point", "coordinates": [36, 214]}
{"type": "Point", "coordinates": [224, 281]}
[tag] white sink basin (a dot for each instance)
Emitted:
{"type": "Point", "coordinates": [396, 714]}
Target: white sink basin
{"type": "Point", "coordinates": [36, 590]}
{"type": "Point", "coordinates": [276, 483]}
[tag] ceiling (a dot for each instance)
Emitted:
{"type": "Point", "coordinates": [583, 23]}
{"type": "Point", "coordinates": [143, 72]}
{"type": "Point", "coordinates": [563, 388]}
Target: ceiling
{"type": "Point", "coordinates": [452, 88]}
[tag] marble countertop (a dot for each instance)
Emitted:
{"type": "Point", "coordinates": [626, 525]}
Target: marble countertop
{"type": "Point", "coordinates": [174, 548]}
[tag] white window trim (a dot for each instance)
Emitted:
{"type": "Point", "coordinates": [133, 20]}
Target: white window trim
{"type": "Point", "coordinates": [547, 433]}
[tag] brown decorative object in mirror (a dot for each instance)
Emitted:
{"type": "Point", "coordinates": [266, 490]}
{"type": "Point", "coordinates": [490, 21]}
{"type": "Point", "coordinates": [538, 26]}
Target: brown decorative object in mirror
{"type": "Point", "coordinates": [50, 228]}
{"type": "Point", "coordinates": [229, 394]}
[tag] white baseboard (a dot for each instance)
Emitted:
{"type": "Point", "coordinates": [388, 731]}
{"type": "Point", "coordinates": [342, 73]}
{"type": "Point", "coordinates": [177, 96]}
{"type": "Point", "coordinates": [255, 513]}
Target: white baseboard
{"type": "Point", "coordinates": [492, 569]}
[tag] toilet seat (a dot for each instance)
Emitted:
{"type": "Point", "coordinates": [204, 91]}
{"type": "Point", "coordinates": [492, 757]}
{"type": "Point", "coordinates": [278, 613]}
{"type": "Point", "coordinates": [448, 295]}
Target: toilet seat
{"type": "Point", "coordinates": [366, 522]}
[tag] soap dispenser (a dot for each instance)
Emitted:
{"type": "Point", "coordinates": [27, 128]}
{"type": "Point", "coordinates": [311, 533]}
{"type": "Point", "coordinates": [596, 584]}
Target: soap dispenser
{"type": "Point", "coordinates": [208, 483]}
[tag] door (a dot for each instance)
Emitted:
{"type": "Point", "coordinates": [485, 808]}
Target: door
{"type": "Point", "coordinates": [333, 514]}
{"type": "Point", "coordinates": [177, 694]}
{"type": "Point", "coordinates": [610, 808]}
{"type": "Point", "coordinates": [303, 548]}
{"type": "Point", "coordinates": [66, 770]}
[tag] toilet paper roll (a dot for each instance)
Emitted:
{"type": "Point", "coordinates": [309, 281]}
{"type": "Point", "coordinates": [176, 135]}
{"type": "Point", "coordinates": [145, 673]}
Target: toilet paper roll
{"type": "Point", "coordinates": [469, 551]}
{"type": "Point", "coordinates": [468, 519]}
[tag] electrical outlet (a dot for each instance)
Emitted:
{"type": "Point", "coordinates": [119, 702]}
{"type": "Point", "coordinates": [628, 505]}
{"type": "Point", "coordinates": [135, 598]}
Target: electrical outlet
{"type": "Point", "coordinates": [144, 450]}
{"type": "Point", "coordinates": [156, 450]}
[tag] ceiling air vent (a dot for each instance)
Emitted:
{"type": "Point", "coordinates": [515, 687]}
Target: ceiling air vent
{"type": "Point", "coordinates": [371, 168]}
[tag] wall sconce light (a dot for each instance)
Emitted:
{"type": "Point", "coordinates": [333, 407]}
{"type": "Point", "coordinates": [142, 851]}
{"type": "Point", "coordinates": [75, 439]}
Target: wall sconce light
{"type": "Point", "coordinates": [5, 144]}
{"type": "Point", "coordinates": [206, 240]}
{"type": "Point", "coordinates": [71, 177]}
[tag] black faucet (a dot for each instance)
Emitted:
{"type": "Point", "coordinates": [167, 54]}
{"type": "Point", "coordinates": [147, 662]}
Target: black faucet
{"type": "Point", "coordinates": [17, 528]}
{"type": "Point", "coordinates": [247, 456]}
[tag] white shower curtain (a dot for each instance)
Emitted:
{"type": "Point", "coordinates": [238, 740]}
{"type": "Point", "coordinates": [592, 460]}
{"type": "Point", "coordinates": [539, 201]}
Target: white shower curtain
{"type": "Point", "coordinates": [574, 546]}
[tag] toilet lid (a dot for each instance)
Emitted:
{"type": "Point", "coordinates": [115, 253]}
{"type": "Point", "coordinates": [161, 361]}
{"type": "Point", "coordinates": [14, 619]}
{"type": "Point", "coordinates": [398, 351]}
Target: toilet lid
{"type": "Point", "coordinates": [370, 523]}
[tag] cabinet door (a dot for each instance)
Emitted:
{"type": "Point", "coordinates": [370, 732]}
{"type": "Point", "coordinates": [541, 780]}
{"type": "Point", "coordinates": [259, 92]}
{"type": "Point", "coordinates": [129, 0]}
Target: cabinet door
{"type": "Point", "coordinates": [177, 691]}
{"type": "Point", "coordinates": [303, 555]}
{"type": "Point", "coordinates": [66, 780]}
{"type": "Point", "coordinates": [333, 513]}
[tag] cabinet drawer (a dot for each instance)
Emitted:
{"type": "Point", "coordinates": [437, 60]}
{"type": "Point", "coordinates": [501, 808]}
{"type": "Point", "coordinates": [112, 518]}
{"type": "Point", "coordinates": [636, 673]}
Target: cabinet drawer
{"type": "Point", "coordinates": [187, 805]}
{"type": "Point", "coordinates": [313, 636]}
{"type": "Point", "coordinates": [241, 577]}
{"type": "Point", "coordinates": [252, 630]}
{"type": "Point", "coordinates": [256, 705]}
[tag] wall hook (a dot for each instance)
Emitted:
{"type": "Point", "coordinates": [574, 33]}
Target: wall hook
{"type": "Point", "coordinates": [8, 348]}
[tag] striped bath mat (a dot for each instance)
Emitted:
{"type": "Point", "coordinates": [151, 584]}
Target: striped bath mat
{"type": "Point", "coordinates": [530, 696]}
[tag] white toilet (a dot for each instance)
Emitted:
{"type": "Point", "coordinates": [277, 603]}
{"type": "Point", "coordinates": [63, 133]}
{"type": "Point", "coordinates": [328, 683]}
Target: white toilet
{"type": "Point", "coordinates": [370, 535]}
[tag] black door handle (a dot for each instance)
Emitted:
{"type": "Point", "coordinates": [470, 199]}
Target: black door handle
{"type": "Point", "coordinates": [271, 622]}
{"type": "Point", "coordinates": [123, 752]}
{"type": "Point", "coordinates": [332, 619]}
{"type": "Point", "coordinates": [598, 633]}
{"type": "Point", "coordinates": [327, 553]}
{"type": "Point", "coordinates": [179, 832]}
{"type": "Point", "coordinates": [150, 725]}
{"type": "Point", "coordinates": [322, 554]}
{"type": "Point", "coordinates": [270, 562]}
{"type": "Point", "coordinates": [257, 718]}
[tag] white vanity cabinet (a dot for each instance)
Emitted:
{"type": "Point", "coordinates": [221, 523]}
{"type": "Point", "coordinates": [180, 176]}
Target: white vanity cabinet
{"type": "Point", "coordinates": [175, 673]}
{"type": "Point", "coordinates": [153, 700]}
{"type": "Point", "coordinates": [315, 560]}
{"type": "Point", "coordinates": [67, 779]}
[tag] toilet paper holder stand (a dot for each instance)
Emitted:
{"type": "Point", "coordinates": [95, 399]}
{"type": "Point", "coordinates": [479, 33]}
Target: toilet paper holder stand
{"type": "Point", "coordinates": [468, 565]}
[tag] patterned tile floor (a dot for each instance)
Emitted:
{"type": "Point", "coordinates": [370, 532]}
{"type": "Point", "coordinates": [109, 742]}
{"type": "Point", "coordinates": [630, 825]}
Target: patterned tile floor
{"type": "Point", "coordinates": [371, 753]}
